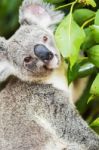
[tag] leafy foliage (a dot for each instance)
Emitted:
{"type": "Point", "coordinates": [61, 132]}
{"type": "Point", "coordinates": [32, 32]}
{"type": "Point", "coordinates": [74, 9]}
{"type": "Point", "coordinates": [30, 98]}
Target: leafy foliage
{"type": "Point", "coordinates": [79, 32]}
{"type": "Point", "coordinates": [70, 32]}
{"type": "Point", "coordinates": [8, 16]}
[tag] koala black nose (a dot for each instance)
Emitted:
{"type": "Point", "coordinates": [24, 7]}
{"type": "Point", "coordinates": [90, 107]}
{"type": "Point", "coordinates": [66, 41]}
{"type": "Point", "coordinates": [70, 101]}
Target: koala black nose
{"type": "Point", "coordinates": [42, 52]}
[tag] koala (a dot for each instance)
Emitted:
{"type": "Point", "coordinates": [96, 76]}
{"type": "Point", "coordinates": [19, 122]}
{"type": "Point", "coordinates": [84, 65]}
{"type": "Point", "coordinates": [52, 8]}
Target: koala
{"type": "Point", "coordinates": [36, 113]}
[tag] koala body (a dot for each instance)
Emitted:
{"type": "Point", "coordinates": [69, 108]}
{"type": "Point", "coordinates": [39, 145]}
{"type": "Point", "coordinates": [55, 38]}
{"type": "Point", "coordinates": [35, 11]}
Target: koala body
{"type": "Point", "coordinates": [41, 117]}
{"type": "Point", "coordinates": [35, 112]}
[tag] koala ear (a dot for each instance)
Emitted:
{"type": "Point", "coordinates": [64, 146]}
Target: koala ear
{"type": "Point", "coordinates": [5, 67]}
{"type": "Point", "coordinates": [40, 13]}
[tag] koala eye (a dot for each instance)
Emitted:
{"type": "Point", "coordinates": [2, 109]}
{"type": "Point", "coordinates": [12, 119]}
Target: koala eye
{"type": "Point", "coordinates": [45, 38]}
{"type": "Point", "coordinates": [28, 59]}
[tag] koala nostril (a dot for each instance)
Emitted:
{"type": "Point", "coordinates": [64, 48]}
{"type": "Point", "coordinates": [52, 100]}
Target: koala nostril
{"type": "Point", "coordinates": [43, 53]}
{"type": "Point", "coordinates": [49, 56]}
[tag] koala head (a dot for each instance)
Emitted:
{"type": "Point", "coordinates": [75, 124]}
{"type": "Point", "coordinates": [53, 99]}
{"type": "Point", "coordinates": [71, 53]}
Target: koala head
{"type": "Point", "coordinates": [31, 53]}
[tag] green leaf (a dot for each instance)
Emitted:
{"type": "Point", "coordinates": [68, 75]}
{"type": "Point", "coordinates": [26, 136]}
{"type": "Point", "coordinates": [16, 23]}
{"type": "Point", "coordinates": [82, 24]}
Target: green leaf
{"type": "Point", "coordinates": [95, 31]}
{"type": "Point", "coordinates": [82, 68]}
{"type": "Point", "coordinates": [91, 98]}
{"type": "Point", "coordinates": [88, 2]}
{"type": "Point", "coordinates": [82, 15]}
{"type": "Point", "coordinates": [92, 37]}
{"type": "Point", "coordinates": [69, 37]}
{"type": "Point", "coordinates": [93, 55]}
{"type": "Point", "coordinates": [95, 86]}
{"type": "Point", "coordinates": [86, 69]}
{"type": "Point", "coordinates": [91, 2]}
{"type": "Point", "coordinates": [95, 123]}
{"type": "Point", "coordinates": [89, 39]}
{"type": "Point", "coordinates": [72, 73]}
{"type": "Point", "coordinates": [97, 18]}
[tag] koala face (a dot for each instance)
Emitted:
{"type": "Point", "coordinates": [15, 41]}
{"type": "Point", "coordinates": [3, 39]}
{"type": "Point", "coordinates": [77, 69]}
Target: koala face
{"type": "Point", "coordinates": [31, 53]}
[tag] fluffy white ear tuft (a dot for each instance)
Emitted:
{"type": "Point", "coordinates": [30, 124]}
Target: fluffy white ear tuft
{"type": "Point", "coordinates": [40, 13]}
{"type": "Point", "coordinates": [5, 68]}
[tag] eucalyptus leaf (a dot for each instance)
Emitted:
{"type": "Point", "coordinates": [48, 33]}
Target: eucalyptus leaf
{"type": "Point", "coordinates": [72, 73]}
{"type": "Point", "coordinates": [95, 123]}
{"type": "Point", "coordinates": [69, 37]}
{"type": "Point", "coordinates": [82, 15]}
{"type": "Point", "coordinates": [88, 2]}
{"type": "Point", "coordinates": [95, 30]}
{"type": "Point", "coordinates": [82, 68]}
{"type": "Point", "coordinates": [86, 69]}
{"type": "Point", "coordinates": [89, 39]}
{"type": "Point", "coordinates": [95, 86]}
{"type": "Point", "coordinates": [97, 18]}
{"type": "Point", "coordinates": [93, 54]}
{"type": "Point", "coordinates": [91, 2]}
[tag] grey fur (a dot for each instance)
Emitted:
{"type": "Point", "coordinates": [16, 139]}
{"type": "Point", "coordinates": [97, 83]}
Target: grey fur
{"type": "Point", "coordinates": [55, 16]}
{"type": "Point", "coordinates": [24, 106]}
{"type": "Point", "coordinates": [34, 115]}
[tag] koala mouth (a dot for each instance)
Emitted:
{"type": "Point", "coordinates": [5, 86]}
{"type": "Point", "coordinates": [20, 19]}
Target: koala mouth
{"type": "Point", "coordinates": [47, 69]}
{"type": "Point", "coordinates": [32, 64]}
{"type": "Point", "coordinates": [52, 64]}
